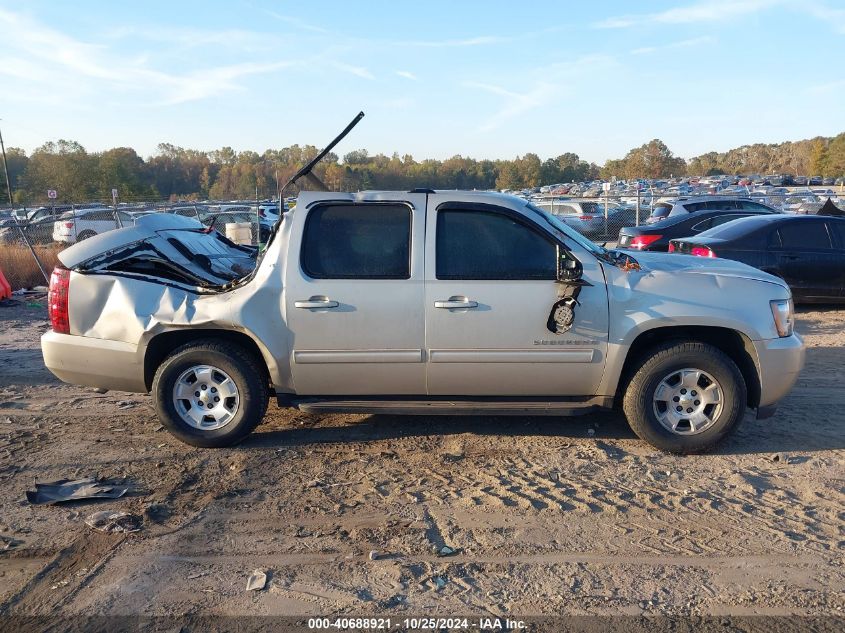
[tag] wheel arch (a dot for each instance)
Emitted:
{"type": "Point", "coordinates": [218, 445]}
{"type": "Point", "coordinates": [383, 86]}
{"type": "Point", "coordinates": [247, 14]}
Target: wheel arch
{"type": "Point", "coordinates": [734, 344]}
{"type": "Point", "coordinates": [158, 347]}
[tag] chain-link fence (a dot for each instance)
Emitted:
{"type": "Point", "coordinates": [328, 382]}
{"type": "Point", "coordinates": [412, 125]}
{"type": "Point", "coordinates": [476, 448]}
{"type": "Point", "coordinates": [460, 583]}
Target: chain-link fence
{"type": "Point", "coordinates": [601, 217]}
{"type": "Point", "coordinates": [32, 238]}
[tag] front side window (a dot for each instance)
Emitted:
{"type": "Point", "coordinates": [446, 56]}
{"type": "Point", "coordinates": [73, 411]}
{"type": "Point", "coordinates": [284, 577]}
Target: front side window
{"type": "Point", "coordinates": [488, 245]}
{"type": "Point", "coordinates": [358, 241]}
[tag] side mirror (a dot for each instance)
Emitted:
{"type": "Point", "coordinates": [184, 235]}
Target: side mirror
{"type": "Point", "coordinates": [569, 269]}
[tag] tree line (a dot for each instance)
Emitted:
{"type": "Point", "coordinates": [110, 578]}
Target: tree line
{"type": "Point", "coordinates": [174, 172]}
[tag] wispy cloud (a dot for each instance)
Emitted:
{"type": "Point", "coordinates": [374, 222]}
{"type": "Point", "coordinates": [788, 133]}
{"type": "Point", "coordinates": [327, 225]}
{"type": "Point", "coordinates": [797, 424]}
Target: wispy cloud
{"type": "Point", "coordinates": [515, 103]}
{"type": "Point", "coordinates": [297, 22]}
{"type": "Point", "coordinates": [407, 75]}
{"type": "Point", "coordinates": [695, 41]}
{"type": "Point", "coordinates": [358, 71]}
{"type": "Point", "coordinates": [40, 55]}
{"type": "Point", "coordinates": [827, 87]}
{"type": "Point", "coordinates": [549, 86]}
{"type": "Point", "coordinates": [483, 40]}
{"type": "Point", "coordinates": [705, 11]}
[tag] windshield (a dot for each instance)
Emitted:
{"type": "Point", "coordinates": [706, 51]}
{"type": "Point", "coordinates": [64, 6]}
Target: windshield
{"type": "Point", "coordinates": [571, 233]}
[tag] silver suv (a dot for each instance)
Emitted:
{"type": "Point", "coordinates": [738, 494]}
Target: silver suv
{"type": "Point", "coordinates": [680, 206]}
{"type": "Point", "coordinates": [419, 303]}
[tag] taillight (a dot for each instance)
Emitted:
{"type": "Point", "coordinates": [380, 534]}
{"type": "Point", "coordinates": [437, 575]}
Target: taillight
{"type": "Point", "coordinates": [671, 247]}
{"type": "Point", "coordinates": [57, 300]}
{"type": "Point", "coordinates": [642, 241]}
{"type": "Point", "coordinates": [585, 217]}
{"type": "Point", "coordinates": [68, 225]}
{"type": "Point", "coordinates": [702, 251]}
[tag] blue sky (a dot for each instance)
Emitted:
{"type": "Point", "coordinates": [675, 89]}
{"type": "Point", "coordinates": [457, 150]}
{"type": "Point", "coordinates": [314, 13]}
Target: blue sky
{"type": "Point", "coordinates": [489, 79]}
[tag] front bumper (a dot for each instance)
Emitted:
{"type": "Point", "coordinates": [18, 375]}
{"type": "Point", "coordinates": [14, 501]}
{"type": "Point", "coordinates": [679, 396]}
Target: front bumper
{"type": "Point", "coordinates": [780, 360]}
{"type": "Point", "coordinates": [93, 362]}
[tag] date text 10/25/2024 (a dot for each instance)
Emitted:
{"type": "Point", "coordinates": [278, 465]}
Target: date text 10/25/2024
{"type": "Point", "coordinates": [415, 624]}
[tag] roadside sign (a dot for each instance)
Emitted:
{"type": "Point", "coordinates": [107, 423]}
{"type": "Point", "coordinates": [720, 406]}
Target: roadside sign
{"type": "Point", "coordinates": [114, 196]}
{"type": "Point", "coordinates": [605, 187]}
{"type": "Point", "coordinates": [51, 193]}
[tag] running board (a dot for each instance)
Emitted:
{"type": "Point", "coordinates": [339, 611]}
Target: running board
{"type": "Point", "coordinates": [461, 406]}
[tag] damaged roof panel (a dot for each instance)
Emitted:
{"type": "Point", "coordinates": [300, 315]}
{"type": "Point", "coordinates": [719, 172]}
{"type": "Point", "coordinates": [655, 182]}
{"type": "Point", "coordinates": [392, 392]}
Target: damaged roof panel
{"type": "Point", "coordinates": [167, 247]}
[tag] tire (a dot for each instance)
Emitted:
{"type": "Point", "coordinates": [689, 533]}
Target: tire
{"type": "Point", "coordinates": [201, 368]}
{"type": "Point", "coordinates": [650, 412]}
{"type": "Point", "coordinates": [85, 235]}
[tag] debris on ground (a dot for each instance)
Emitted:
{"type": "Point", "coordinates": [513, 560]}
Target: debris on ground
{"type": "Point", "coordinates": [447, 551]}
{"type": "Point", "coordinates": [257, 581]}
{"type": "Point", "coordinates": [439, 581]}
{"type": "Point", "coordinates": [7, 542]}
{"type": "Point", "coordinates": [373, 555]}
{"type": "Point", "coordinates": [77, 490]}
{"type": "Point", "coordinates": [125, 404]}
{"type": "Point", "coordinates": [112, 522]}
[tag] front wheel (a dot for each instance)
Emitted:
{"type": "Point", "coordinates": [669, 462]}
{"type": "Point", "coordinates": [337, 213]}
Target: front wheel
{"type": "Point", "coordinates": [686, 397]}
{"type": "Point", "coordinates": [210, 394]}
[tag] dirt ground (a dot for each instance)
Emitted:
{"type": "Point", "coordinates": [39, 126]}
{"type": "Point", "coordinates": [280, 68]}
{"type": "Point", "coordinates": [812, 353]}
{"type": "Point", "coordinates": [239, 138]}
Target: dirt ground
{"type": "Point", "coordinates": [546, 515]}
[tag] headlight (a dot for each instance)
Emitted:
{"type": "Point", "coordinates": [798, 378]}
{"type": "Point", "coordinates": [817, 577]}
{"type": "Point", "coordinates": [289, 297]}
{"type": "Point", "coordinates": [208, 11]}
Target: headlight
{"type": "Point", "coordinates": [783, 312]}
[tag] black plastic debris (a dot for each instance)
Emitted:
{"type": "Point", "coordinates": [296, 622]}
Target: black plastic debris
{"type": "Point", "coordinates": [78, 490]}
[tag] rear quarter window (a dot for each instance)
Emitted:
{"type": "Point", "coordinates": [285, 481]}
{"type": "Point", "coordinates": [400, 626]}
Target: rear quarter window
{"type": "Point", "coordinates": [804, 234]}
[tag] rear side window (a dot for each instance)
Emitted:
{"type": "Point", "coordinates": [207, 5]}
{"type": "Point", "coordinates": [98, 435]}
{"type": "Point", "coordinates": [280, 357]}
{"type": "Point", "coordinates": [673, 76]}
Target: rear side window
{"type": "Point", "coordinates": [803, 234]}
{"type": "Point", "coordinates": [484, 245]}
{"type": "Point", "coordinates": [661, 211]}
{"type": "Point", "coordinates": [720, 205]}
{"type": "Point", "coordinates": [752, 206]}
{"type": "Point", "coordinates": [352, 241]}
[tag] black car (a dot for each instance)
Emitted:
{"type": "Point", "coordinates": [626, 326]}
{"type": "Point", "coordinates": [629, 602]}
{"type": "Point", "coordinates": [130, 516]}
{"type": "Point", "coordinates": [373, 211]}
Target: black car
{"type": "Point", "coordinates": [806, 251]}
{"type": "Point", "coordinates": [656, 237]}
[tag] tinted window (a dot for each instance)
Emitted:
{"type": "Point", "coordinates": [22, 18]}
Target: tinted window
{"type": "Point", "coordinates": [661, 211]}
{"type": "Point", "coordinates": [358, 242]}
{"type": "Point", "coordinates": [753, 206]}
{"type": "Point", "coordinates": [803, 234]}
{"type": "Point", "coordinates": [720, 205]}
{"type": "Point", "coordinates": [692, 207]}
{"type": "Point", "coordinates": [482, 245]}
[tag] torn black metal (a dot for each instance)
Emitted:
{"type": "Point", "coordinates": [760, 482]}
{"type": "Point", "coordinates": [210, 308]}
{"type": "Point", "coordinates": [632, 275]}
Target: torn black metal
{"type": "Point", "coordinates": [306, 172]}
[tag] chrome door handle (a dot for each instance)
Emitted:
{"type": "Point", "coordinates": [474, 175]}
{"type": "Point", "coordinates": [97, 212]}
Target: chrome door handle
{"type": "Point", "coordinates": [314, 302]}
{"type": "Point", "coordinates": [455, 302]}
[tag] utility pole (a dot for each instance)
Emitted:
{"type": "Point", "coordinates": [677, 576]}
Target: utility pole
{"type": "Point", "coordinates": [6, 170]}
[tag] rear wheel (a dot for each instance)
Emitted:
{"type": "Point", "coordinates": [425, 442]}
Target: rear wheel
{"type": "Point", "coordinates": [210, 394]}
{"type": "Point", "coordinates": [85, 235]}
{"type": "Point", "coordinates": [686, 397]}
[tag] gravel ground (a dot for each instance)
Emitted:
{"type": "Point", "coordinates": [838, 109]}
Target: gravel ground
{"type": "Point", "coordinates": [348, 514]}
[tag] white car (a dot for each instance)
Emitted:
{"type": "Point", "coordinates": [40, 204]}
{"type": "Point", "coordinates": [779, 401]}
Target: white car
{"type": "Point", "coordinates": [81, 224]}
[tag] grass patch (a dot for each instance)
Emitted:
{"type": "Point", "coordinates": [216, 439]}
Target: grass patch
{"type": "Point", "coordinates": [20, 268]}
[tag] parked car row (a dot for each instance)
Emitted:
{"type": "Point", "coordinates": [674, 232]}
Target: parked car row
{"type": "Point", "coordinates": [806, 251]}
{"type": "Point", "coordinates": [67, 225]}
